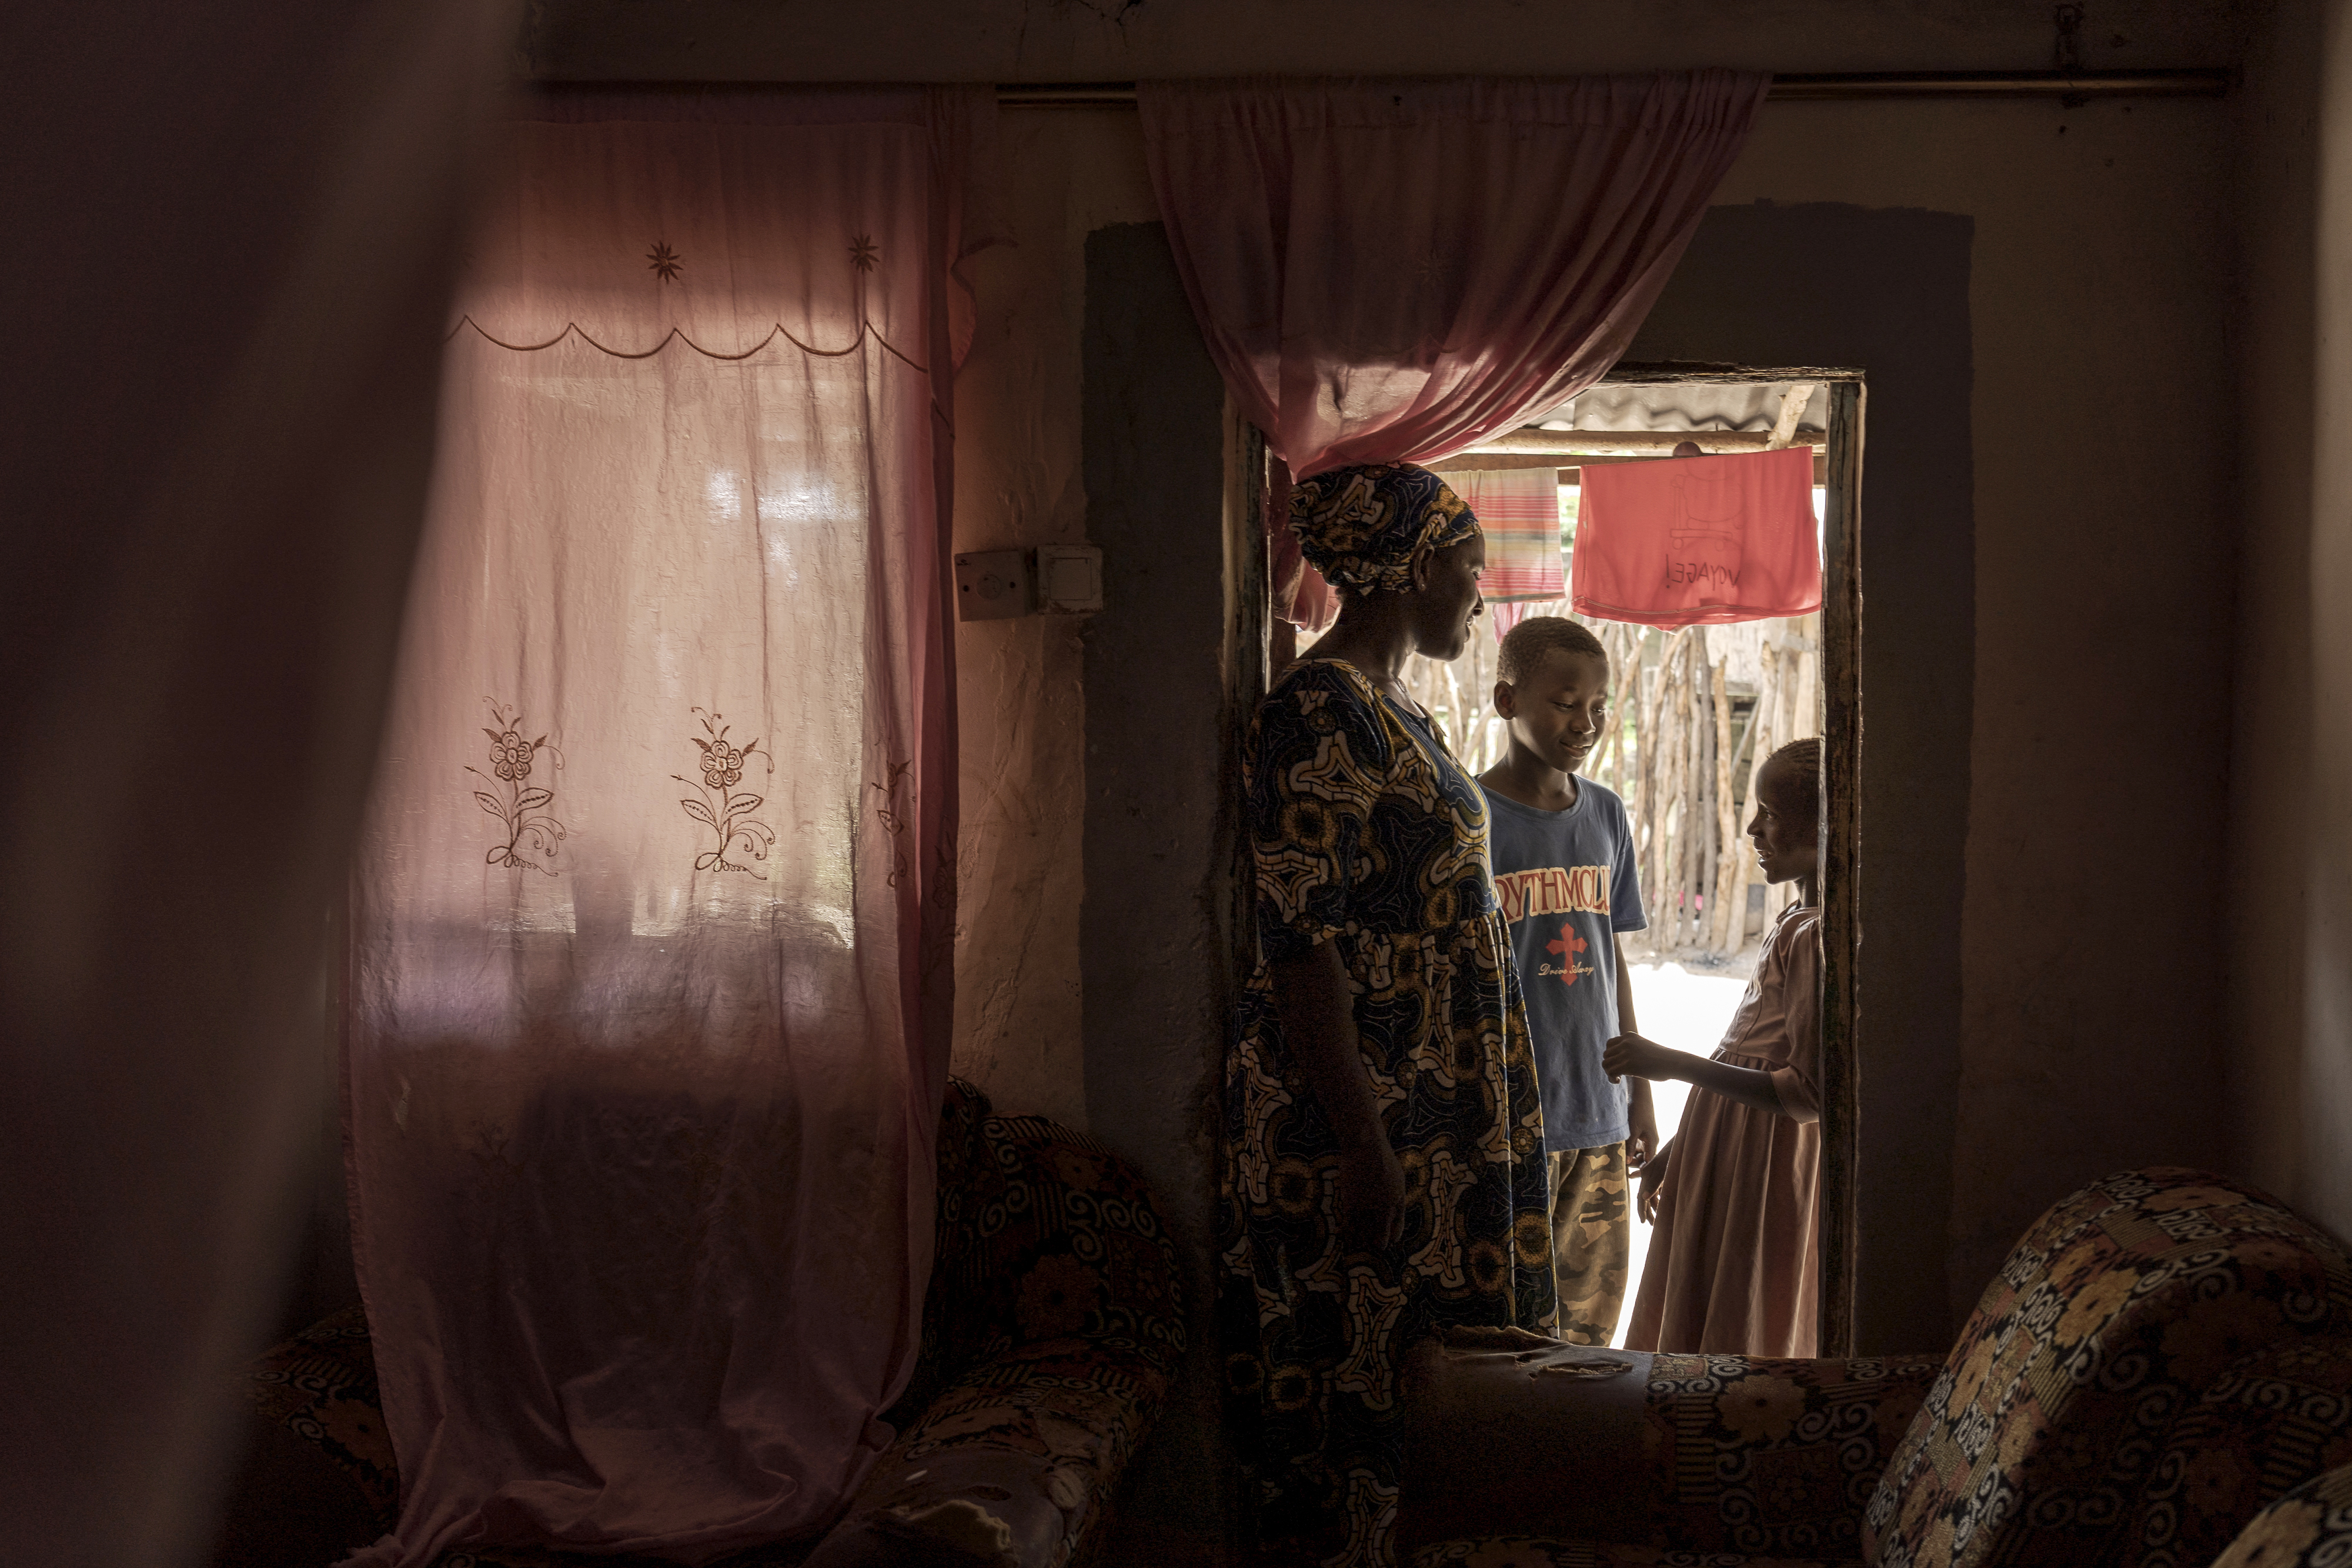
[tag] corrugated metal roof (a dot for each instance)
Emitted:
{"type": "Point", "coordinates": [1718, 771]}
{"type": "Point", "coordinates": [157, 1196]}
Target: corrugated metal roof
{"type": "Point", "coordinates": [1685, 405]}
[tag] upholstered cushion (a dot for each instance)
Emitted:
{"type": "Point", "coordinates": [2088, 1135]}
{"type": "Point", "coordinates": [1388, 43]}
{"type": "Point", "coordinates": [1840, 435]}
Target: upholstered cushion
{"type": "Point", "coordinates": [2118, 1310]}
{"type": "Point", "coordinates": [1042, 1234]}
{"type": "Point", "coordinates": [1730, 1461]}
{"type": "Point", "coordinates": [1775, 1457]}
{"type": "Point", "coordinates": [1034, 1440]}
{"type": "Point", "coordinates": [2310, 1527]}
{"type": "Point", "coordinates": [321, 1385]}
{"type": "Point", "coordinates": [2272, 1422]}
{"type": "Point", "coordinates": [1051, 1329]}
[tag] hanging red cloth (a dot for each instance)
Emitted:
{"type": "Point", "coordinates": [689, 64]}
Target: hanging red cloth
{"type": "Point", "coordinates": [1698, 540]}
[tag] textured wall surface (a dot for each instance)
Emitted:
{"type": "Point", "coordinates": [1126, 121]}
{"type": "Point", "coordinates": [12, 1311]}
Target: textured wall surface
{"type": "Point", "coordinates": [1020, 689]}
{"type": "Point", "coordinates": [2069, 1020]}
{"type": "Point", "coordinates": [2291, 831]}
{"type": "Point", "coordinates": [1896, 305]}
{"type": "Point", "coordinates": [1160, 848]}
{"type": "Point", "coordinates": [2098, 688]}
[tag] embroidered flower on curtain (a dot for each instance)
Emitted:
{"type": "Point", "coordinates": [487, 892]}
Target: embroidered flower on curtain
{"type": "Point", "coordinates": [665, 261]}
{"type": "Point", "coordinates": [519, 807]}
{"type": "Point", "coordinates": [887, 812]}
{"type": "Point", "coordinates": [863, 253]}
{"type": "Point", "coordinates": [721, 808]}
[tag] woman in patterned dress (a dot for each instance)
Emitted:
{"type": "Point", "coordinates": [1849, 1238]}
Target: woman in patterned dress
{"type": "Point", "coordinates": [1384, 1172]}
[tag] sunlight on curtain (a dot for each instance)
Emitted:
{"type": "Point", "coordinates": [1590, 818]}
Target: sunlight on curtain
{"type": "Point", "coordinates": [1391, 270]}
{"type": "Point", "coordinates": [643, 1068]}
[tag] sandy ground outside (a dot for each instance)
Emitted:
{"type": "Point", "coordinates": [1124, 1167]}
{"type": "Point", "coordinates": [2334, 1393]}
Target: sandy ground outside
{"type": "Point", "coordinates": [1687, 1007]}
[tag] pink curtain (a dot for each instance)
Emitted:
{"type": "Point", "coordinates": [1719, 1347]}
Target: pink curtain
{"type": "Point", "coordinates": [1392, 271]}
{"type": "Point", "coordinates": [652, 910]}
{"type": "Point", "coordinates": [245, 218]}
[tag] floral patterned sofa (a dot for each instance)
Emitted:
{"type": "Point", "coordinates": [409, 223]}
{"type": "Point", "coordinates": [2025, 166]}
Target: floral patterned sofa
{"type": "Point", "coordinates": [2164, 1353]}
{"type": "Point", "coordinates": [1050, 1331]}
{"type": "Point", "coordinates": [2310, 1527]}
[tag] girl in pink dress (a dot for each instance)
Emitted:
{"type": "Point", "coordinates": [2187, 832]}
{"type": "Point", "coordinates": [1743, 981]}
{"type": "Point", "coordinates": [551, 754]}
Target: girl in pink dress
{"type": "Point", "coordinates": [1734, 1264]}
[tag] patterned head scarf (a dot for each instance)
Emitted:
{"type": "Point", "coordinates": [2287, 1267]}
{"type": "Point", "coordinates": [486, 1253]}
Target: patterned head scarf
{"type": "Point", "coordinates": [1361, 525]}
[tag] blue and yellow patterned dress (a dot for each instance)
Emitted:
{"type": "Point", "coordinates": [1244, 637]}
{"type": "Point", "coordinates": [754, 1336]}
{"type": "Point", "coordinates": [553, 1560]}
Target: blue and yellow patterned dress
{"type": "Point", "coordinates": [1367, 831]}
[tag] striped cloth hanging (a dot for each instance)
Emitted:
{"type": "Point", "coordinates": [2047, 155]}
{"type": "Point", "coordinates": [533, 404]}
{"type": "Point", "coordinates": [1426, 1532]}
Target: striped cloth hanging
{"type": "Point", "coordinates": [1520, 509]}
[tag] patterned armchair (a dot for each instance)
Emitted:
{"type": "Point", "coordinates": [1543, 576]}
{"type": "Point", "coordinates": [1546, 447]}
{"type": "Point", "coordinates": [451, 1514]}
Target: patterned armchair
{"type": "Point", "coordinates": [1050, 1331]}
{"type": "Point", "coordinates": [2310, 1527]}
{"type": "Point", "coordinates": [2163, 1354]}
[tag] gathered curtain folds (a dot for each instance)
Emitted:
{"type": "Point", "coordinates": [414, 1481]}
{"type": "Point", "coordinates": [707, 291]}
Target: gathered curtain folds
{"type": "Point", "coordinates": [1393, 271]}
{"type": "Point", "coordinates": [648, 1010]}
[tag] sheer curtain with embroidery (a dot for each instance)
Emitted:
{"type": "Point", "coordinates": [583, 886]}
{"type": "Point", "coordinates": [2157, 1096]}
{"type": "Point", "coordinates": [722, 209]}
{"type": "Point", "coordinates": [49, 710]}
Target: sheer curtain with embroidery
{"type": "Point", "coordinates": [652, 915]}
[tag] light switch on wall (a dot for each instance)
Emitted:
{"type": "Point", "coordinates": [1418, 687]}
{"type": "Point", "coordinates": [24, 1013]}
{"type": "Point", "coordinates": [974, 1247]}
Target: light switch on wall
{"type": "Point", "coordinates": [1050, 579]}
{"type": "Point", "coordinates": [1069, 578]}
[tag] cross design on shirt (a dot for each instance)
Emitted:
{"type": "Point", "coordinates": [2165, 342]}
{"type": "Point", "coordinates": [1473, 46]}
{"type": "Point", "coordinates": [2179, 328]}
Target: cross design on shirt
{"type": "Point", "coordinates": [1567, 944]}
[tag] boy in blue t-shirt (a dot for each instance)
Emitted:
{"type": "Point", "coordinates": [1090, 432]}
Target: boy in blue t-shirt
{"type": "Point", "coordinates": [1563, 854]}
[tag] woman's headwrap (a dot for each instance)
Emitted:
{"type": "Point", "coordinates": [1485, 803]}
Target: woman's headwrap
{"type": "Point", "coordinates": [1362, 526]}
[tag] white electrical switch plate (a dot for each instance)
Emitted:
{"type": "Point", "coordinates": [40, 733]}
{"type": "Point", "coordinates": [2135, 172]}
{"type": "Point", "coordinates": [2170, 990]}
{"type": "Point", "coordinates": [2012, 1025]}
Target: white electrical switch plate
{"type": "Point", "coordinates": [992, 584]}
{"type": "Point", "coordinates": [1069, 578]}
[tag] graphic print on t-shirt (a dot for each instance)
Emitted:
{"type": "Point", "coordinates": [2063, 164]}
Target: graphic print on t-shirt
{"type": "Point", "coordinates": [1553, 889]}
{"type": "Point", "coordinates": [1566, 884]}
{"type": "Point", "coordinates": [1569, 946]}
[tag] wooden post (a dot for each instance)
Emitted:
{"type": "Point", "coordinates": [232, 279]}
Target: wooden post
{"type": "Point", "coordinates": [1605, 749]}
{"type": "Point", "coordinates": [1792, 728]}
{"type": "Point", "coordinates": [1840, 667]}
{"type": "Point", "coordinates": [1686, 759]}
{"type": "Point", "coordinates": [1809, 695]}
{"type": "Point", "coordinates": [1726, 819]}
{"type": "Point", "coordinates": [1698, 874]}
{"type": "Point", "coordinates": [1667, 784]}
{"type": "Point", "coordinates": [1646, 824]}
{"type": "Point", "coordinates": [1710, 808]}
{"type": "Point", "coordinates": [1481, 699]}
{"type": "Point", "coordinates": [1761, 739]}
{"type": "Point", "coordinates": [1457, 721]}
{"type": "Point", "coordinates": [1628, 704]}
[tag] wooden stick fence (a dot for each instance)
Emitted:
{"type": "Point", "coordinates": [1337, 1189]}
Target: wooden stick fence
{"type": "Point", "coordinates": [1682, 750]}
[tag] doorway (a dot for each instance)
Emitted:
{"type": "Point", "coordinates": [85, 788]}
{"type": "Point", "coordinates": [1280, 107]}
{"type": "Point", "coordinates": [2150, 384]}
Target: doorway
{"type": "Point", "coordinates": [1715, 700]}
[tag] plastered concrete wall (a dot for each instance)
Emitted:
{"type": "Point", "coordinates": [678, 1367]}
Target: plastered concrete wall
{"type": "Point", "coordinates": [2090, 988]}
{"type": "Point", "coordinates": [1162, 834]}
{"type": "Point", "coordinates": [1021, 694]}
{"type": "Point", "coordinates": [2291, 848]}
{"type": "Point", "coordinates": [2082, 1042]}
{"type": "Point", "coordinates": [2100, 278]}
{"type": "Point", "coordinates": [1897, 306]}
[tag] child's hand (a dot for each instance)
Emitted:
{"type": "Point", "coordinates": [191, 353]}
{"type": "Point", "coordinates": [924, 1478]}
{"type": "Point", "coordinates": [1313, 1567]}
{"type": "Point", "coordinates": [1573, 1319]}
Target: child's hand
{"type": "Point", "coordinates": [1642, 1058]}
{"type": "Point", "coordinates": [1645, 1199]}
{"type": "Point", "coordinates": [1642, 1140]}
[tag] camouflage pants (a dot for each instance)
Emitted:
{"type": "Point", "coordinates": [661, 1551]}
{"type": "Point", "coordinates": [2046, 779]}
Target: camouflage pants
{"type": "Point", "coordinates": [1592, 1240]}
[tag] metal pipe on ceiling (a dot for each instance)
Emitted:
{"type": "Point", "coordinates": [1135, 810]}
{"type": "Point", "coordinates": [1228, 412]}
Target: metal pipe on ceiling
{"type": "Point", "coordinates": [1635, 443]}
{"type": "Point", "coordinates": [1795, 87]}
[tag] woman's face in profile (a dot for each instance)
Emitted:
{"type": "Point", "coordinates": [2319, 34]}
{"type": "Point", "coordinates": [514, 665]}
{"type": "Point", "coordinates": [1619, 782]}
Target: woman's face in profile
{"type": "Point", "coordinates": [1449, 600]}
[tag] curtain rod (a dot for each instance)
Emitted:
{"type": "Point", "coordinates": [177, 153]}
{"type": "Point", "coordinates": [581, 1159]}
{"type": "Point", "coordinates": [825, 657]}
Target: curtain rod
{"type": "Point", "coordinates": [2072, 86]}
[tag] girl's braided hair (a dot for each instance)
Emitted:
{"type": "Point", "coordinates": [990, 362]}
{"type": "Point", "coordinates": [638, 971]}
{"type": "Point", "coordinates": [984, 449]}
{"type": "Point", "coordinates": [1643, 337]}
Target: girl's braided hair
{"type": "Point", "coordinates": [1804, 759]}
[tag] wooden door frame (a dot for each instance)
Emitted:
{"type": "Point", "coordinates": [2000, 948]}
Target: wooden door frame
{"type": "Point", "coordinates": [1840, 862]}
{"type": "Point", "coordinates": [1840, 821]}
